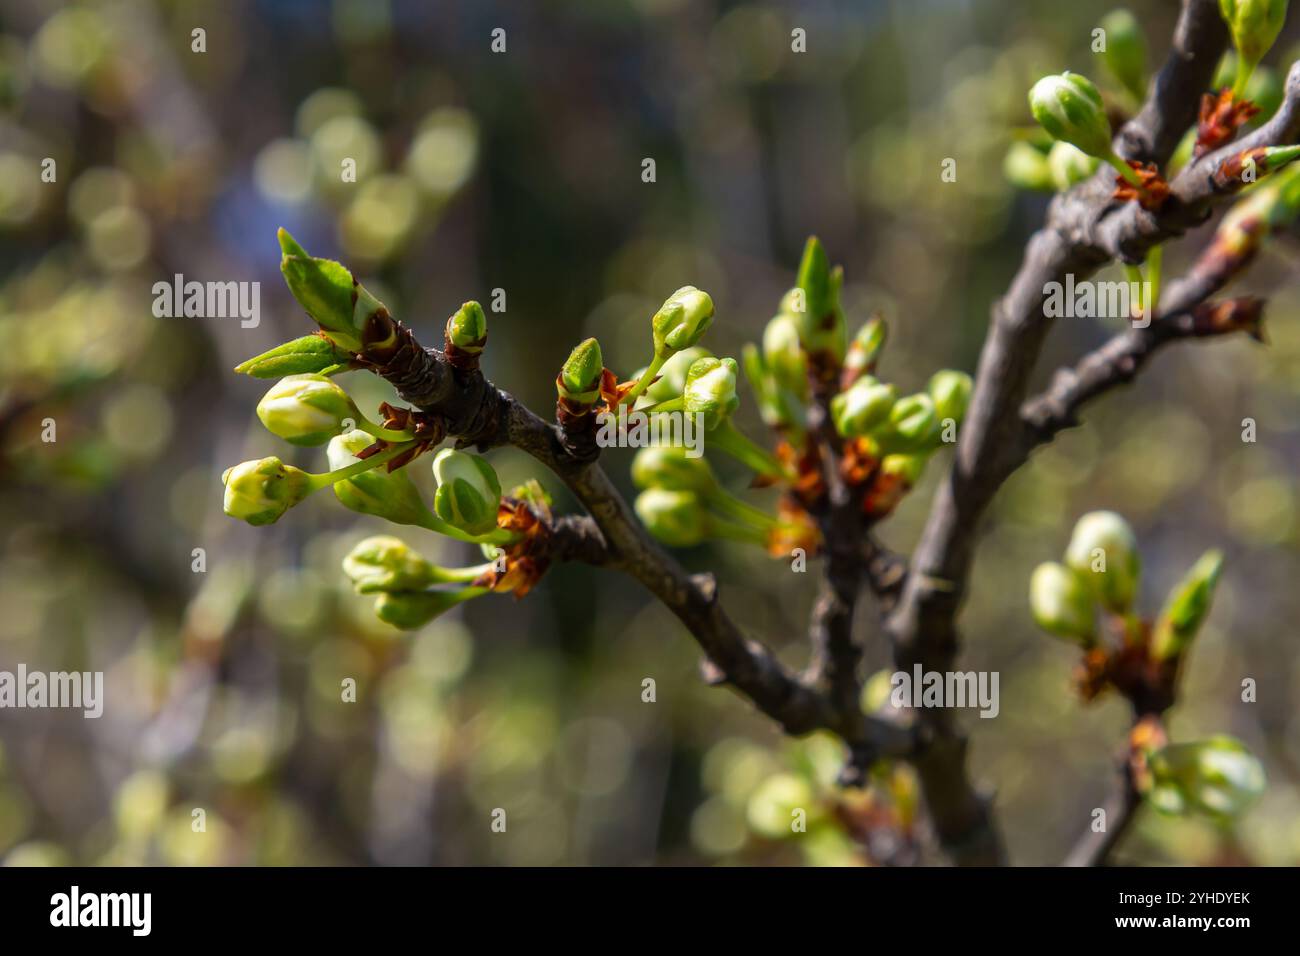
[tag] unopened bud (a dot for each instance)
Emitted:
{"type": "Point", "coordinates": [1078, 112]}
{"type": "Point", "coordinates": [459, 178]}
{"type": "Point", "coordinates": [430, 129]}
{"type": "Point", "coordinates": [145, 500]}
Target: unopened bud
{"type": "Point", "coordinates": [469, 493]}
{"type": "Point", "coordinates": [1061, 603]}
{"type": "Point", "coordinates": [306, 409]}
{"type": "Point", "coordinates": [912, 427]}
{"type": "Point", "coordinates": [672, 375]}
{"type": "Point", "coordinates": [1218, 777]}
{"type": "Point", "coordinates": [866, 404]}
{"type": "Point", "coordinates": [950, 391]}
{"type": "Point", "coordinates": [783, 355]}
{"type": "Point", "coordinates": [386, 563]}
{"type": "Point", "coordinates": [580, 375]}
{"type": "Point", "coordinates": [259, 492]}
{"type": "Point", "coordinates": [329, 293]}
{"type": "Point", "coordinates": [711, 390]}
{"type": "Point", "coordinates": [1125, 55]}
{"type": "Point", "coordinates": [467, 328]}
{"type": "Point", "coordinates": [1069, 107]}
{"type": "Point", "coordinates": [1187, 607]}
{"type": "Point", "coordinates": [1026, 167]}
{"type": "Point", "coordinates": [1254, 25]}
{"type": "Point", "coordinates": [379, 492]}
{"type": "Point", "coordinates": [864, 351]}
{"type": "Point", "coordinates": [676, 518]}
{"type": "Point", "coordinates": [682, 320]}
{"type": "Point", "coordinates": [1069, 165]}
{"type": "Point", "coordinates": [668, 466]}
{"type": "Point", "coordinates": [1103, 550]}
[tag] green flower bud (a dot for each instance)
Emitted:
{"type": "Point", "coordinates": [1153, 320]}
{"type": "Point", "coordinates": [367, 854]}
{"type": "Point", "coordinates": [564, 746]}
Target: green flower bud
{"type": "Point", "coordinates": [389, 495]}
{"type": "Point", "coordinates": [259, 492]}
{"type": "Point", "coordinates": [864, 351]}
{"type": "Point", "coordinates": [467, 328]}
{"type": "Point", "coordinates": [306, 409]}
{"type": "Point", "coordinates": [821, 320]}
{"type": "Point", "coordinates": [1069, 165]}
{"type": "Point", "coordinates": [682, 320]}
{"type": "Point", "coordinates": [913, 426]}
{"type": "Point", "coordinates": [1061, 603]}
{"type": "Point", "coordinates": [469, 492]}
{"type": "Point", "coordinates": [311, 353]}
{"type": "Point", "coordinates": [385, 563]}
{"type": "Point", "coordinates": [1255, 24]}
{"type": "Point", "coordinates": [1187, 607]}
{"type": "Point", "coordinates": [1069, 107]}
{"type": "Point", "coordinates": [950, 391]}
{"type": "Point", "coordinates": [783, 355]}
{"type": "Point", "coordinates": [711, 390]}
{"type": "Point", "coordinates": [409, 610]}
{"type": "Point", "coordinates": [1125, 55]}
{"type": "Point", "coordinates": [1025, 167]}
{"type": "Point", "coordinates": [866, 404]}
{"type": "Point", "coordinates": [1104, 552]}
{"type": "Point", "coordinates": [907, 467]}
{"type": "Point", "coordinates": [772, 805]}
{"type": "Point", "coordinates": [1218, 777]}
{"type": "Point", "coordinates": [669, 467]}
{"type": "Point", "coordinates": [672, 375]}
{"type": "Point", "coordinates": [329, 293]}
{"type": "Point", "coordinates": [580, 376]}
{"type": "Point", "coordinates": [677, 518]}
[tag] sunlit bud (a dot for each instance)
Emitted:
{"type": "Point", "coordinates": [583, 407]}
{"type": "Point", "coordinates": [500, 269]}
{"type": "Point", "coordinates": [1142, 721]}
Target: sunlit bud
{"type": "Point", "coordinates": [467, 328]}
{"type": "Point", "coordinates": [1125, 55]}
{"type": "Point", "coordinates": [327, 290]}
{"type": "Point", "coordinates": [408, 610]}
{"type": "Point", "coordinates": [1254, 24]}
{"type": "Point", "coordinates": [669, 467]}
{"type": "Point", "coordinates": [864, 351]}
{"type": "Point", "coordinates": [1069, 165]}
{"type": "Point", "coordinates": [711, 390]}
{"type": "Point", "coordinates": [469, 492]}
{"type": "Point", "coordinates": [672, 375]}
{"type": "Point", "coordinates": [310, 353]}
{"type": "Point", "coordinates": [681, 320]}
{"type": "Point", "coordinates": [866, 404]}
{"type": "Point", "coordinates": [1069, 107]}
{"type": "Point", "coordinates": [783, 355]}
{"type": "Point", "coordinates": [390, 495]}
{"type": "Point", "coordinates": [1187, 607]}
{"type": "Point", "coordinates": [1218, 777]}
{"type": "Point", "coordinates": [580, 376]}
{"type": "Point", "coordinates": [1104, 552]}
{"type": "Point", "coordinates": [385, 563]}
{"type": "Point", "coordinates": [815, 280]}
{"type": "Point", "coordinates": [677, 518]}
{"type": "Point", "coordinates": [1061, 603]}
{"type": "Point", "coordinates": [259, 492]}
{"type": "Point", "coordinates": [306, 409]}
{"type": "Point", "coordinates": [950, 391]}
{"type": "Point", "coordinates": [1026, 167]}
{"type": "Point", "coordinates": [912, 426]}
{"type": "Point", "coordinates": [820, 321]}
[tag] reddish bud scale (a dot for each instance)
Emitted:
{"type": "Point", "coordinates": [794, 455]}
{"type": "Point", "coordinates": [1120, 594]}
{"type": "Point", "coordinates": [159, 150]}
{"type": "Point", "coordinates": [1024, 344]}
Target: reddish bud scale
{"type": "Point", "coordinates": [460, 358]}
{"type": "Point", "coordinates": [1219, 119]}
{"type": "Point", "coordinates": [1130, 669]}
{"type": "Point", "coordinates": [1245, 314]}
{"type": "Point", "coordinates": [1154, 189]}
{"type": "Point", "coordinates": [1231, 170]}
{"type": "Point", "coordinates": [528, 558]}
{"type": "Point", "coordinates": [577, 421]}
{"type": "Point", "coordinates": [796, 529]}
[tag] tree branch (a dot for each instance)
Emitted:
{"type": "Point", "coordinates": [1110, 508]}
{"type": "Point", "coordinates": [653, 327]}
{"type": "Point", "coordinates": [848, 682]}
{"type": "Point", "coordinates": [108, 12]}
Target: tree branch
{"type": "Point", "coordinates": [1085, 228]}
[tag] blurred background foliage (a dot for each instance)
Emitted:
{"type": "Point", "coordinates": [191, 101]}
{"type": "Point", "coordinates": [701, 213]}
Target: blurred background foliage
{"type": "Point", "coordinates": [521, 171]}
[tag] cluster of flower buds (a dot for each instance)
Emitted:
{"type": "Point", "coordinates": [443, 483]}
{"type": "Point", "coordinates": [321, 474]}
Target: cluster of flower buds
{"type": "Point", "coordinates": [410, 591]}
{"type": "Point", "coordinates": [367, 460]}
{"type": "Point", "coordinates": [889, 440]}
{"type": "Point", "coordinates": [682, 504]}
{"type": "Point", "coordinates": [1255, 25]}
{"type": "Point", "coordinates": [1101, 570]}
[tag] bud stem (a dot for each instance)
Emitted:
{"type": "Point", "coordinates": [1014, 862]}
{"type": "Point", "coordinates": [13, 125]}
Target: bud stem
{"type": "Point", "coordinates": [317, 482]}
{"type": "Point", "coordinates": [1125, 170]}
{"type": "Point", "coordinates": [386, 434]}
{"type": "Point", "coordinates": [730, 505]}
{"type": "Point", "coordinates": [730, 440]}
{"type": "Point", "coordinates": [646, 378]}
{"type": "Point", "coordinates": [431, 522]}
